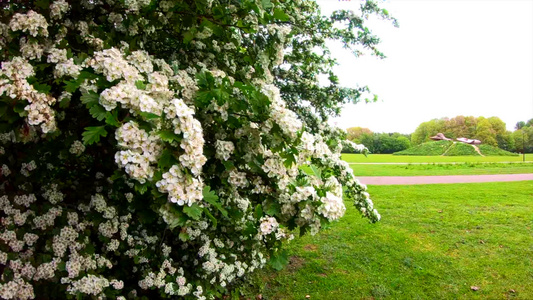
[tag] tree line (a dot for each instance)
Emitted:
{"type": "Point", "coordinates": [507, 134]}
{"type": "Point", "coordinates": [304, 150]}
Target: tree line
{"type": "Point", "coordinates": [490, 131]}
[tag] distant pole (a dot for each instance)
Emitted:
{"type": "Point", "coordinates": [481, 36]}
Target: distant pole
{"type": "Point", "coordinates": [523, 146]}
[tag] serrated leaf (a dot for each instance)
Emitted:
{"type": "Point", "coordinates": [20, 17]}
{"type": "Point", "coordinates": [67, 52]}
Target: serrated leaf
{"type": "Point", "coordinates": [141, 188]}
{"type": "Point", "coordinates": [279, 260]}
{"type": "Point", "coordinates": [98, 112]}
{"type": "Point", "coordinates": [90, 99]}
{"type": "Point", "coordinates": [258, 213]}
{"type": "Point", "coordinates": [92, 135]}
{"type": "Point", "coordinates": [111, 118]}
{"type": "Point", "coordinates": [272, 208]}
{"type": "Point", "coordinates": [194, 211]}
{"type": "Point", "coordinates": [166, 159]}
{"type": "Point", "coordinates": [72, 85]}
{"type": "Point", "coordinates": [169, 136]}
{"type": "Point", "coordinates": [211, 198]}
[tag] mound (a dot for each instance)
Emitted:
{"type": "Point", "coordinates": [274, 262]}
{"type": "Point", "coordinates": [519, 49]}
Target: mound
{"type": "Point", "coordinates": [460, 149]}
{"type": "Point", "coordinates": [450, 148]}
{"type": "Point", "coordinates": [494, 151]}
{"type": "Point", "coordinates": [427, 149]}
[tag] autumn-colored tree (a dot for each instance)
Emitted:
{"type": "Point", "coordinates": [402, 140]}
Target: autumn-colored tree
{"type": "Point", "coordinates": [356, 132]}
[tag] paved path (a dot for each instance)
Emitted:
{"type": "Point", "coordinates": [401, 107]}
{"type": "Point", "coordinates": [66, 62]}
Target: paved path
{"type": "Point", "coordinates": [408, 180]}
{"type": "Point", "coordinates": [440, 163]}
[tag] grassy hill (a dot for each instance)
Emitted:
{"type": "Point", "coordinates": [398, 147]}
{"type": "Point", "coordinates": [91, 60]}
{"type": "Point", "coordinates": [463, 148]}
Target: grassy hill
{"type": "Point", "coordinates": [449, 148]}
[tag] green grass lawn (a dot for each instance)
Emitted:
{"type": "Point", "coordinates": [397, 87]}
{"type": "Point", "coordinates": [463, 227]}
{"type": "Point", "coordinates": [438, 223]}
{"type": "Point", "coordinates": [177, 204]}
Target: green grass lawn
{"type": "Point", "coordinates": [389, 158]}
{"type": "Point", "coordinates": [433, 242]}
{"type": "Point", "coordinates": [472, 168]}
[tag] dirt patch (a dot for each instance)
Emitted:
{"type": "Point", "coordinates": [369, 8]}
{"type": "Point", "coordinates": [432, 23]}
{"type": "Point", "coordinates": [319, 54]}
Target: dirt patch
{"type": "Point", "coordinates": [295, 263]}
{"type": "Point", "coordinates": [310, 247]}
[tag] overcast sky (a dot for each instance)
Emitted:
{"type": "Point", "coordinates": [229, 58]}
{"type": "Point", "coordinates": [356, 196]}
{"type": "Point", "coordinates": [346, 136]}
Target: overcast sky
{"type": "Point", "coordinates": [447, 58]}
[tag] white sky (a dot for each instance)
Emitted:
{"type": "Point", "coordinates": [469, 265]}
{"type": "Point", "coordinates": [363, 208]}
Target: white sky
{"type": "Point", "coordinates": [448, 58]}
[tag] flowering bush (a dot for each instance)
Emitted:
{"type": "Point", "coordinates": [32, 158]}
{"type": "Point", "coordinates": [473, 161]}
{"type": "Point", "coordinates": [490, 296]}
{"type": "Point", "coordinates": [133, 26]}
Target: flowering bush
{"type": "Point", "coordinates": [154, 148]}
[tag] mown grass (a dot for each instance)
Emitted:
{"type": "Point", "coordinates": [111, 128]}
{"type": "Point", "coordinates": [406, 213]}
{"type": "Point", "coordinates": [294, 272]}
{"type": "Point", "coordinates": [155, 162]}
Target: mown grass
{"type": "Point", "coordinates": [433, 242]}
{"type": "Point", "coordinates": [472, 168]}
{"type": "Point", "coordinates": [389, 158]}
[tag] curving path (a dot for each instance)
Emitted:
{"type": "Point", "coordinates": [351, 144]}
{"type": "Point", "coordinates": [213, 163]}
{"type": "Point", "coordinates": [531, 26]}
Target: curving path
{"type": "Point", "coordinates": [409, 180]}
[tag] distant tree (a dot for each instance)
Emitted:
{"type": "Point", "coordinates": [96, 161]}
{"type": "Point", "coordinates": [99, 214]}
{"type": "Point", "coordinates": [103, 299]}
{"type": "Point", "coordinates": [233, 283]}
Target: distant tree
{"type": "Point", "coordinates": [485, 133]}
{"type": "Point", "coordinates": [519, 125]}
{"type": "Point", "coordinates": [529, 122]}
{"type": "Point", "coordinates": [385, 143]}
{"type": "Point", "coordinates": [506, 141]}
{"type": "Point", "coordinates": [354, 133]}
{"type": "Point", "coordinates": [426, 130]}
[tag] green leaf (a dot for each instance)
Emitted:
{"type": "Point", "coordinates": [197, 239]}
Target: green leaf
{"type": "Point", "coordinates": [3, 108]}
{"type": "Point", "coordinates": [98, 112]}
{"type": "Point", "coordinates": [41, 87]}
{"type": "Point", "coordinates": [90, 99]}
{"type": "Point", "coordinates": [166, 159]}
{"type": "Point", "coordinates": [72, 85]}
{"type": "Point", "coordinates": [184, 236]}
{"type": "Point", "coordinates": [92, 135]}
{"type": "Point", "coordinates": [187, 37]}
{"type": "Point", "coordinates": [169, 136]}
{"type": "Point", "coordinates": [211, 198]}
{"type": "Point", "coordinates": [272, 208]}
{"type": "Point", "coordinates": [141, 188]}
{"type": "Point", "coordinates": [280, 15]}
{"type": "Point", "coordinates": [44, 4]}
{"type": "Point", "coordinates": [211, 217]}
{"type": "Point", "coordinates": [258, 213]}
{"type": "Point", "coordinates": [194, 211]}
{"type": "Point", "coordinates": [148, 115]}
{"type": "Point", "coordinates": [316, 171]}
{"type": "Point", "coordinates": [140, 85]}
{"type": "Point", "coordinates": [19, 107]}
{"type": "Point", "coordinates": [111, 118]}
{"type": "Point", "coordinates": [65, 102]}
{"type": "Point", "coordinates": [279, 260]}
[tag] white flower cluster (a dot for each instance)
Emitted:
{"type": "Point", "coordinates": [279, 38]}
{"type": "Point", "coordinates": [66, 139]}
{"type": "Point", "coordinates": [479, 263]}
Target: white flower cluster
{"type": "Point", "coordinates": [180, 189]}
{"type": "Point", "coordinates": [127, 94]}
{"type": "Point", "coordinates": [30, 49]}
{"type": "Point", "coordinates": [224, 149]}
{"type": "Point", "coordinates": [142, 152]}
{"type": "Point", "coordinates": [268, 225]}
{"type": "Point", "coordinates": [77, 148]}
{"type": "Point", "coordinates": [286, 119]}
{"type": "Point", "coordinates": [17, 87]}
{"type": "Point", "coordinates": [58, 8]}
{"type": "Point", "coordinates": [112, 64]}
{"type": "Point", "coordinates": [31, 22]}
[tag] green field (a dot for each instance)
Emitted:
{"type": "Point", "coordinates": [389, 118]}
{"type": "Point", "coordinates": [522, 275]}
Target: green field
{"type": "Point", "coordinates": [389, 158]}
{"type": "Point", "coordinates": [472, 168]}
{"type": "Point", "coordinates": [434, 242]}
